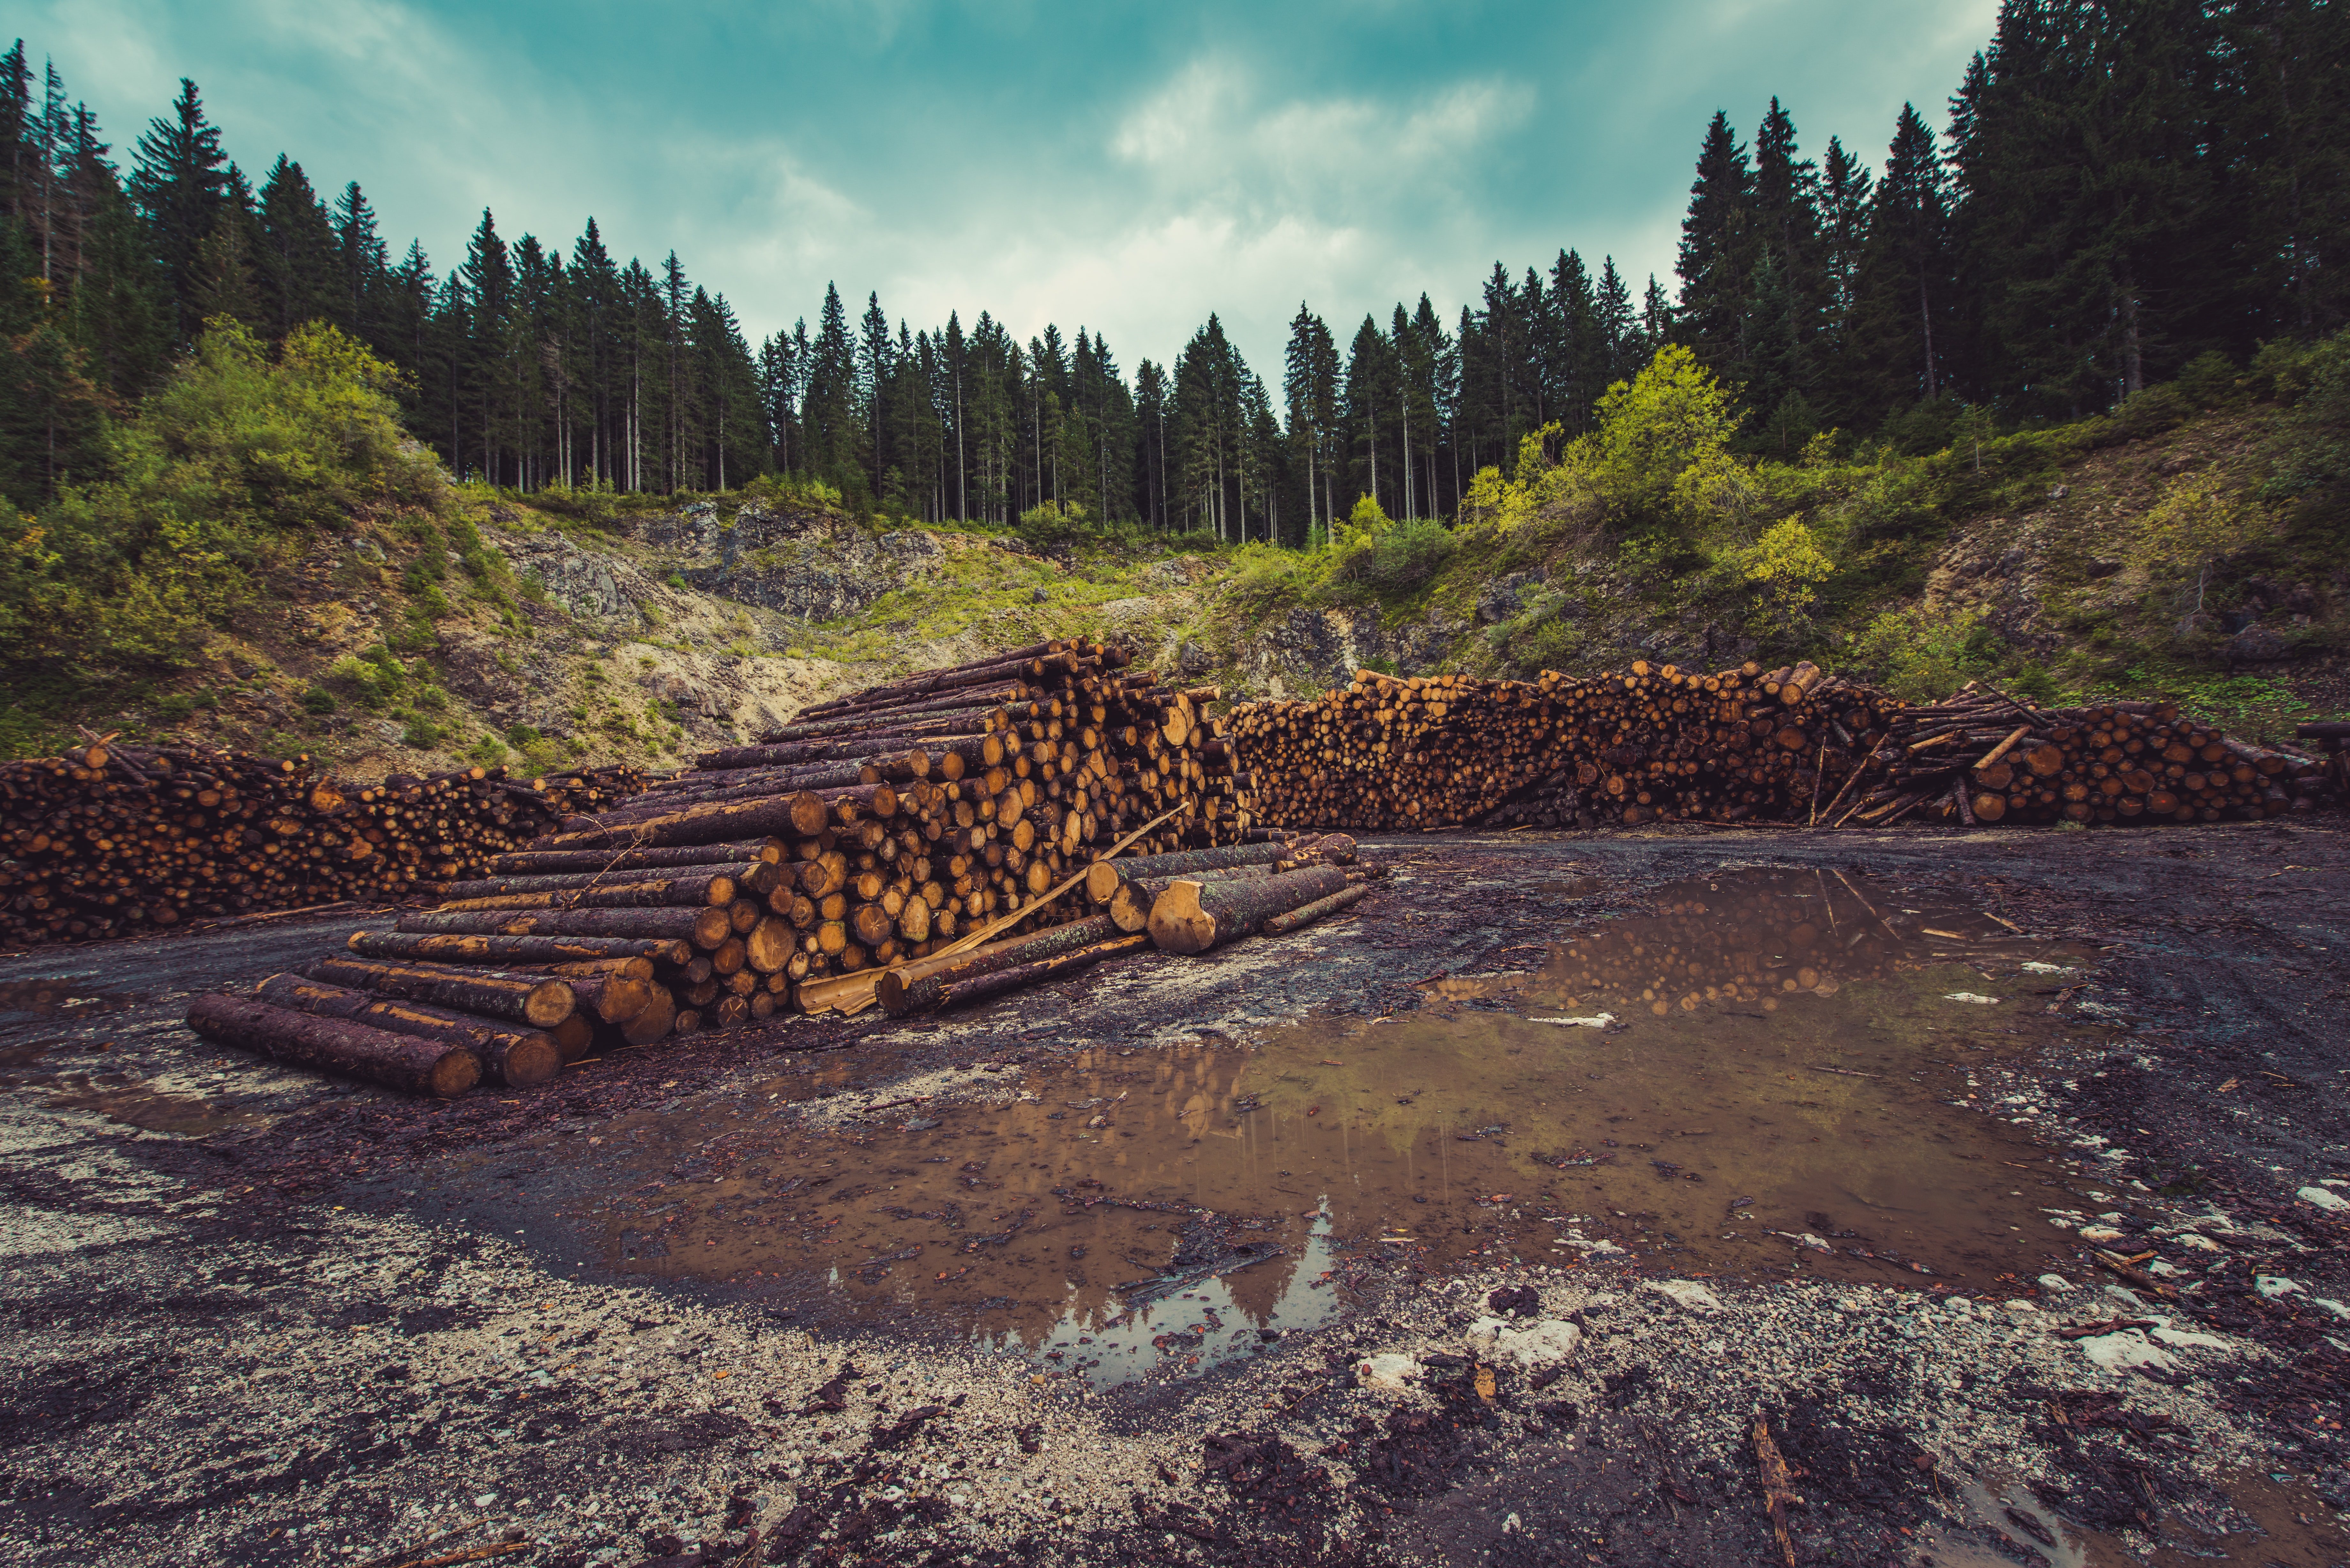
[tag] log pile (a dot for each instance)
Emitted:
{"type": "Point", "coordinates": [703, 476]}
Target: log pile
{"type": "Point", "coordinates": [1651, 744]}
{"type": "Point", "coordinates": [1980, 757]}
{"type": "Point", "coordinates": [106, 839]}
{"type": "Point", "coordinates": [908, 831]}
{"type": "Point", "coordinates": [1789, 746]}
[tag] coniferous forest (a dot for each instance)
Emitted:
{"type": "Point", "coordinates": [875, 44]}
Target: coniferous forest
{"type": "Point", "coordinates": [2115, 191]}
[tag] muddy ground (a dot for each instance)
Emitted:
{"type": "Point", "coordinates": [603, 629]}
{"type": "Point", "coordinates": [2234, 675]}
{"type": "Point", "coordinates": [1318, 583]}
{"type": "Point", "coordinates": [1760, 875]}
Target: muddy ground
{"type": "Point", "coordinates": [253, 1316]}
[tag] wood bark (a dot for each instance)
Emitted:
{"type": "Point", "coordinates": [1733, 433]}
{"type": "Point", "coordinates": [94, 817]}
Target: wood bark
{"type": "Point", "coordinates": [408, 1062]}
{"type": "Point", "coordinates": [900, 995]}
{"type": "Point", "coordinates": [539, 1000]}
{"type": "Point", "coordinates": [978, 987]}
{"type": "Point", "coordinates": [1307, 914]}
{"type": "Point", "coordinates": [1194, 917]}
{"type": "Point", "coordinates": [517, 1059]}
{"type": "Point", "coordinates": [704, 928]}
{"type": "Point", "coordinates": [444, 948]}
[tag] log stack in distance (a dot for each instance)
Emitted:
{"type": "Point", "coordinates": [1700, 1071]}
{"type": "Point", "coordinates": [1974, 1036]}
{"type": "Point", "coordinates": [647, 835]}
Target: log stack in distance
{"type": "Point", "coordinates": [107, 840]}
{"type": "Point", "coordinates": [1793, 746]}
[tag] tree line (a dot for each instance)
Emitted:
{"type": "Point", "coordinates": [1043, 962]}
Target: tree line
{"type": "Point", "coordinates": [2121, 188]}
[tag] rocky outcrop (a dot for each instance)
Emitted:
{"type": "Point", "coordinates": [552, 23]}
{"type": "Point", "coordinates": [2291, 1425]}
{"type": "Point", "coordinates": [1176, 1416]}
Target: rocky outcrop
{"type": "Point", "coordinates": [1308, 650]}
{"type": "Point", "coordinates": [809, 564]}
{"type": "Point", "coordinates": [590, 584]}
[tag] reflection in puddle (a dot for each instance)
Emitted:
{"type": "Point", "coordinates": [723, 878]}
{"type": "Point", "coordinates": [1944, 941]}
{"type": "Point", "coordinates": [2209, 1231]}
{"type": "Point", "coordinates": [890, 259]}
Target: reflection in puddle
{"type": "Point", "coordinates": [1782, 1089]}
{"type": "Point", "coordinates": [58, 998]}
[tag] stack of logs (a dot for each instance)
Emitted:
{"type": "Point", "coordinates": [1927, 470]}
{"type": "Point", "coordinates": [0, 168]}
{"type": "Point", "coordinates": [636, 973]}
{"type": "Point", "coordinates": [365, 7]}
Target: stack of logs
{"type": "Point", "coordinates": [1794, 745]}
{"type": "Point", "coordinates": [108, 839]}
{"type": "Point", "coordinates": [1652, 743]}
{"type": "Point", "coordinates": [888, 845]}
{"type": "Point", "coordinates": [1979, 757]}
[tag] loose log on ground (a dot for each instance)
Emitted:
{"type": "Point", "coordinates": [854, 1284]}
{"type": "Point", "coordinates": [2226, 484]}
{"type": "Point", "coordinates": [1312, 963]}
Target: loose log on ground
{"type": "Point", "coordinates": [447, 947]}
{"type": "Point", "coordinates": [900, 995]}
{"type": "Point", "coordinates": [543, 862]}
{"type": "Point", "coordinates": [515, 1059]}
{"type": "Point", "coordinates": [1103, 876]}
{"type": "Point", "coordinates": [704, 928]}
{"type": "Point", "coordinates": [1130, 904]}
{"type": "Point", "coordinates": [1194, 917]}
{"type": "Point", "coordinates": [978, 988]}
{"type": "Point", "coordinates": [539, 1000]}
{"type": "Point", "coordinates": [1307, 914]}
{"type": "Point", "coordinates": [408, 1062]}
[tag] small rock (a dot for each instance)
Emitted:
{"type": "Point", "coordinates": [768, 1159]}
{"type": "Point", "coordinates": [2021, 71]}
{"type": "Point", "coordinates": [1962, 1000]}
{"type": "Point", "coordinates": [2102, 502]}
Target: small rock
{"type": "Point", "coordinates": [2323, 1198]}
{"type": "Point", "coordinates": [1688, 1294]}
{"type": "Point", "coordinates": [1543, 1344]}
{"type": "Point", "coordinates": [1387, 1372]}
{"type": "Point", "coordinates": [2256, 644]}
{"type": "Point", "coordinates": [2274, 1287]}
{"type": "Point", "coordinates": [2055, 1282]}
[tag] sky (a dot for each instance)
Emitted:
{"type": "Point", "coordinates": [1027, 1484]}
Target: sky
{"type": "Point", "coordinates": [1127, 169]}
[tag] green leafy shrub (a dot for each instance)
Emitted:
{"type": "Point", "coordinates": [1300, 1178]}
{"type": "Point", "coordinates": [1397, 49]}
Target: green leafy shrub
{"type": "Point", "coordinates": [489, 750]}
{"type": "Point", "coordinates": [175, 707]}
{"type": "Point", "coordinates": [1407, 555]}
{"type": "Point", "coordinates": [319, 699]}
{"type": "Point", "coordinates": [421, 733]}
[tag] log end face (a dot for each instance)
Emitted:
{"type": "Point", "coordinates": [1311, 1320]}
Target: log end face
{"type": "Point", "coordinates": [457, 1072]}
{"type": "Point", "coordinates": [549, 1004]}
{"type": "Point", "coordinates": [531, 1060]}
{"type": "Point", "coordinates": [1177, 922]}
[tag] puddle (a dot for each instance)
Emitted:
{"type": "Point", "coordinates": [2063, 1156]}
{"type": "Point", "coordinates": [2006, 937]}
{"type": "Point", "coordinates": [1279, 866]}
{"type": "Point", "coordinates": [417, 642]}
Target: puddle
{"type": "Point", "coordinates": [1771, 1095]}
{"type": "Point", "coordinates": [58, 998]}
{"type": "Point", "coordinates": [2254, 1518]}
{"type": "Point", "coordinates": [130, 1105]}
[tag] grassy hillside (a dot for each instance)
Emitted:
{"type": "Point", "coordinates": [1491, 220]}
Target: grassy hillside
{"type": "Point", "coordinates": [268, 563]}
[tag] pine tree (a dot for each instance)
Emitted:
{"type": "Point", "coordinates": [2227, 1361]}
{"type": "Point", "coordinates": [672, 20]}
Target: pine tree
{"type": "Point", "coordinates": [180, 183]}
{"type": "Point", "coordinates": [1717, 253]}
{"type": "Point", "coordinates": [1907, 278]}
{"type": "Point", "coordinates": [296, 266]}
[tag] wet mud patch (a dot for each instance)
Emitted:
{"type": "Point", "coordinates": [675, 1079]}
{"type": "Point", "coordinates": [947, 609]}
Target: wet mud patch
{"type": "Point", "coordinates": [25, 1000]}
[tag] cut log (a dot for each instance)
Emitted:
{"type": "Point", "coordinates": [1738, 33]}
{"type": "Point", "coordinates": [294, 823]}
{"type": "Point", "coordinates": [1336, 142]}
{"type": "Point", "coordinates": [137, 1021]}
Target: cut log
{"type": "Point", "coordinates": [614, 998]}
{"type": "Point", "coordinates": [451, 949]}
{"type": "Point", "coordinates": [717, 888]}
{"type": "Point", "coordinates": [539, 1000]}
{"type": "Point", "coordinates": [1307, 914]}
{"type": "Point", "coordinates": [978, 988]}
{"type": "Point", "coordinates": [538, 862]}
{"type": "Point", "coordinates": [1103, 876]}
{"type": "Point", "coordinates": [1129, 906]}
{"type": "Point", "coordinates": [904, 991]}
{"type": "Point", "coordinates": [704, 928]}
{"type": "Point", "coordinates": [408, 1062]}
{"type": "Point", "coordinates": [515, 1059]}
{"type": "Point", "coordinates": [1194, 917]}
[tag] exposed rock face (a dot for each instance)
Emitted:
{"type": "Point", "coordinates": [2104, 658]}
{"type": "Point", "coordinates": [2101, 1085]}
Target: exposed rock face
{"type": "Point", "coordinates": [590, 584]}
{"type": "Point", "coordinates": [2256, 644]}
{"type": "Point", "coordinates": [1307, 651]}
{"type": "Point", "coordinates": [811, 565]}
{"type": "Point", "coordinates": [1504, 596]}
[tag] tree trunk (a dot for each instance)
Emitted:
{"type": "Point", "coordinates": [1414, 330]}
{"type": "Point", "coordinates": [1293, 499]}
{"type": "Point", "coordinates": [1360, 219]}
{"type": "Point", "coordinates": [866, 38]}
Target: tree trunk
{"type": "Point", "coordinates": [900, 995]}
{"type": "Point", "coordinates": [454, 948]}
{"type": "Point", "coordinates": [406, 1062]}
{"type": "Point", "coordinates": [535, 999]}
{"type": "Point", "coordinates": [1192, 916]}
{"type": "Point", "coordinates": [1307, 914]}
{"type": "Point", "coordinates": [704, 928]}
{"type": "Point", "coordinates": [978, 988]}
{"type": "Point", "coordinates": [516, 1060]}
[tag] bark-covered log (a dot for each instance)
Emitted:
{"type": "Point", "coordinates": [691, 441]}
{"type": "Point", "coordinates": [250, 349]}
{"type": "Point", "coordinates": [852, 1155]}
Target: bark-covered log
{"type": "Point", "coordinates": [449, 948]}
{"type": "Point", "coordinates": [900, 995]}
{"type": "Point", "coordinates": [1129, 906]}
{"type": "Point", "coordinates": [704, 928]}
{"type": "Point", "coordinates": [745, 873]}
{"type": "Point", "coordinates": [1194, 917]}
{"type": "Point", "coordinates": [409, 1062]}
{"type": "Point", "coordinates": [508, 1057]}
{"type": "Point", "coordinates": [539, 1000]}
{"type": "Point", "coordinates": [978, 987]}
{"type": "Point", "coordinates": [1103, 876]}
{"type": "Point", "coordinates": [546, 862]}
{"type": "Point", "coordinates": [716, 887]}
{"type": "Point", "coordinates": [1307, 914]}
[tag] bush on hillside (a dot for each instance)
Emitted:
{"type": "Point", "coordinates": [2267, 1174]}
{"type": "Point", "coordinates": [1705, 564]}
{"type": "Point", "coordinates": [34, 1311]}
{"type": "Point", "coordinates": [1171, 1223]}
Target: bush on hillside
{"type": "Point", "coordinates": [219, 479]}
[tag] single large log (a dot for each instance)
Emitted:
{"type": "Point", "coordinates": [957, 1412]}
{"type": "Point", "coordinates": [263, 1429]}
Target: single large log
{"type": "Point", "coordinates": [900, 995]}
{"type": "Point", "coordinates": [714, 889]}
{"type": "Point", "coordinates": [614, 998]}
{"type": "Point", "coordinates": [409, 1062]}
{"type": "Point", "coordinates": [1194, 917]}
{"type": "Point", "coordinates": [704, 928]}
{"type": "Point", "coordinates": [1307, 914]}
{"type": "Point", "coordinates": [1130, 907]}
{"type": "Point", "coordinates": [1103, 876]}
{"type": "Point", "coordinates": [745, 872]}
{"type": "Point", "coordinates": [692, 825]}
{"type": "Point", "coordinates": [653, 1023]}
{"type": "Point", "coordinates": [538, 862]}
{"type": "Point", "coordinates": [517, 1060]}
{"type": "Point", "coordinates": [978, 988]}
{"type": "Point", "coordinates": [537, 1000]}
{"type": "Point", "coordinates": [448, 948]}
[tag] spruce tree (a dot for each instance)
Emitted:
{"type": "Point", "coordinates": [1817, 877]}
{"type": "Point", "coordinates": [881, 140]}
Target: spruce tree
{"type": "Point", "coordinates": [1716, 252]}
{"type": "Point", "coordinates": [180, 183]}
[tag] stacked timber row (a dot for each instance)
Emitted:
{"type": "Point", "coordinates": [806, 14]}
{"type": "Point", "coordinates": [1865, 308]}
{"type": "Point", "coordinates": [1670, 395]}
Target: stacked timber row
{"type": "Point", "coordinates": [1794, 745]}
{"type": "Point", "coordinates": [1650, 744]}
{"type": "Point", "coordinates": [1980, 757]}
{"type": "Point", "coordinates": [108, 840]}
{"type": "Point", "coordinates": [936, 829]}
